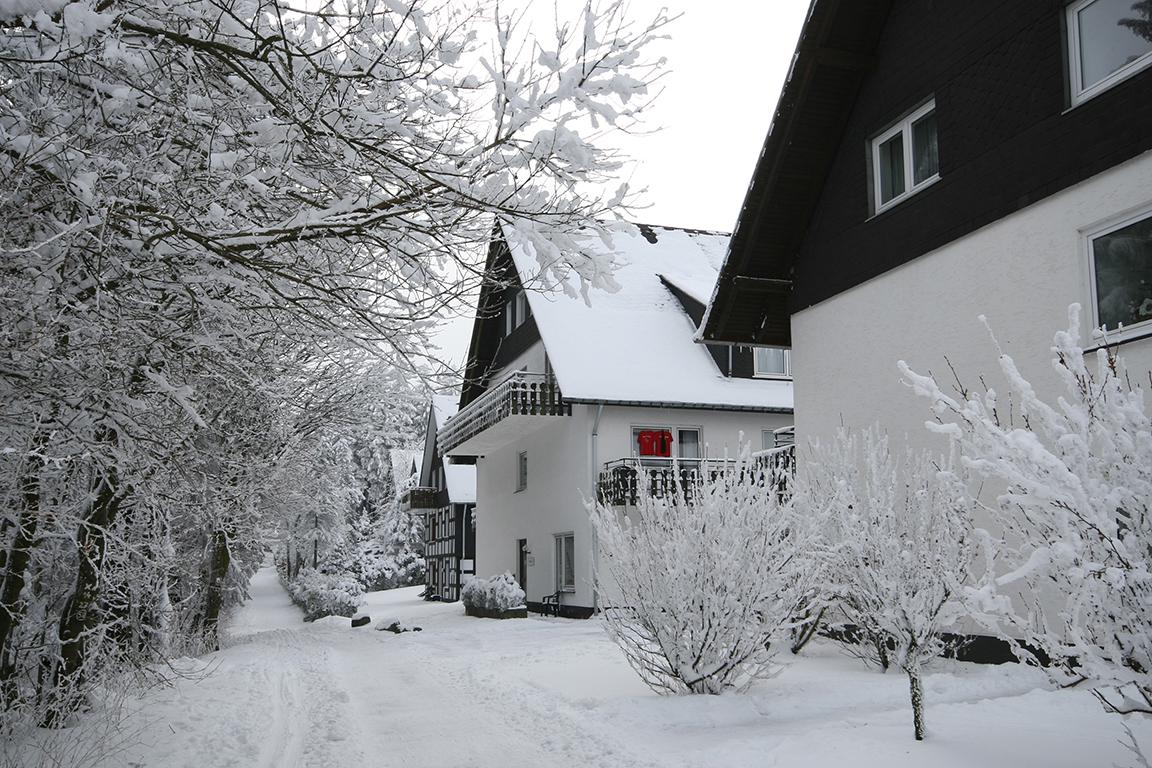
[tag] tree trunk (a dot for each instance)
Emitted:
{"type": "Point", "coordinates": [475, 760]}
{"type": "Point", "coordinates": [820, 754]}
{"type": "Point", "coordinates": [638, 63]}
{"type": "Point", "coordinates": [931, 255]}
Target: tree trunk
{"type": "Point", "coordinates": [916, 689]}
{"type": "Point", "coordinates": [16, 562]}
{"type": "Point", "coordinates": [81, 612]}
{"type": "Point", "coordinates": [218, 564]}
{"type": "Point", "coordinates": [881, 643]}
{"type": "Point", "coordinates": [807, 633]}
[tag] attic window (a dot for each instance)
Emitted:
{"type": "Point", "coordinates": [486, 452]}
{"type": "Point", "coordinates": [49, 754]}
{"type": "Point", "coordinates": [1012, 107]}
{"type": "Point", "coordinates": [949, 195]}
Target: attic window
{"type": "Point", "coordinates": [905, 158]}
{"type": "Point", "coordinates": [516, 312]}
{"type": "Point", "coordinates": [1108, 41]}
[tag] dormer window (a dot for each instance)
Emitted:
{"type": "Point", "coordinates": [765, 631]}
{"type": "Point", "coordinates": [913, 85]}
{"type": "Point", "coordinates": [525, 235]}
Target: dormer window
{"type": "Point", "coordinates": [516, 312]}
{"type": "Point", "coordinates": [1108, 41]}
{"type": "Point", "coordinates": [905, 158]}
{"type": "Point", "coordinates": [772, 362]}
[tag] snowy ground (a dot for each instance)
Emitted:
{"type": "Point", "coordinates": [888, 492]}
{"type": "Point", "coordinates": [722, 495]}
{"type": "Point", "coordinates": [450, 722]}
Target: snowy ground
{"type": "Point", "coordinates": [553, 692]}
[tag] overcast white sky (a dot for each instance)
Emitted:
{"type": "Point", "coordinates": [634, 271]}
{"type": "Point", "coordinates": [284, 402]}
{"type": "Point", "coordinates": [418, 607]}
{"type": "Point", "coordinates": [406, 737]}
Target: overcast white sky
{"type": "Point", "coordinates": [727, 60]}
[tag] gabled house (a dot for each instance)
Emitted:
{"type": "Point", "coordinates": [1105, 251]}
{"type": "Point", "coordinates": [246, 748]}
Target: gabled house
{"type": "Point", "coordinates": [564, 400]}
{"type": "Point", "coordinates": [445, 496]}
{"type": "Point", "coordinates": [929, 163]}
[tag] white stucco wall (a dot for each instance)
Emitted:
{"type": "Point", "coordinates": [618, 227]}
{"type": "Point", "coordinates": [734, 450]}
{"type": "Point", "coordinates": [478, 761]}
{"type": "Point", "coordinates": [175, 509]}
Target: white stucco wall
{"type": "Point", "coordinates": [1021, 272]}
{"type": "Point", "coordinates": [560, 477]}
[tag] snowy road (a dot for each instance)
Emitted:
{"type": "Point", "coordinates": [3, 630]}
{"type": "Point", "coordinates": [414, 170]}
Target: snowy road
{"type": "Point", "coordinates": [543, 693]}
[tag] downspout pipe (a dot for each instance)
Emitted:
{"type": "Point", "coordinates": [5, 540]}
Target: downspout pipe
{"type": "Point", "coordinates": [594, 477]}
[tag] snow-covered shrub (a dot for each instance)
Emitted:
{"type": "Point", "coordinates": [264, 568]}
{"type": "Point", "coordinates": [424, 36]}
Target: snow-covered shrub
{"type": "Point", "coordinates": [900, 545]}
{"type": "Point", "coordinates": [497, 594]}
{"type": "Point", "coordinates": [325, 594]}
{"type": "Point", "coordinates": [696, 583]}
{"type": "Point", "coordinates": [1073, 575]}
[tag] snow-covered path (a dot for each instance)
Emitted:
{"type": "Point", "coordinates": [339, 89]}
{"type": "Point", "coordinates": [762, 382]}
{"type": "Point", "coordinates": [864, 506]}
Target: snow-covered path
{"type": "Point", "coordinates": [284, 694]}
{"type": "Point", "coordinates": [547, 692]}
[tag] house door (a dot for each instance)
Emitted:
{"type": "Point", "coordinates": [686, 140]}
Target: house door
{"type": "Point", "coordinates": [522, 564]}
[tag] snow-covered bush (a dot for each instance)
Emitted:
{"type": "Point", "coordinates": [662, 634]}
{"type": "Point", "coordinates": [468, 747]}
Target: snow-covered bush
{"type": "Point", "coordinates": [1073, 575]}
{"type": "Point", "coordinates": [900, 545]}
{"type": "Point", "coordinates": [497, 594]}
{"type": "Point", "coordinates": [695, 584]}
{"type": "Point", "coordinates": [325, 594]}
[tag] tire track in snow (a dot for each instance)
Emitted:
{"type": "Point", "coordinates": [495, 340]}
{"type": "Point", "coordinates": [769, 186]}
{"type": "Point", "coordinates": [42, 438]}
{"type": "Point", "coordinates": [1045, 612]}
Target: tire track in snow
{"type": "Point", "coordinates": [282, 747]}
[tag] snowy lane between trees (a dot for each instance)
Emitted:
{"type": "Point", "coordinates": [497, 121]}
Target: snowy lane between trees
{"type": "Point", "coordinates": [554, 692]}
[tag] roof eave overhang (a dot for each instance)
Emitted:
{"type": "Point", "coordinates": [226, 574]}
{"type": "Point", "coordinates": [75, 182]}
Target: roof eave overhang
{"type": "Point", "coordinates": [751, 303]}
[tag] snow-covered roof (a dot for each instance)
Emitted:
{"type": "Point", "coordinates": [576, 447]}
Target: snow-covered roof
{"type": "Point", "coordinates": [461, 482]}
{"type": "Point", "coordinates": [444, 407]}
{"type": "Point", "coordinates": [635, 345]}
{"type": "Point", "coordinates": [698, 289]}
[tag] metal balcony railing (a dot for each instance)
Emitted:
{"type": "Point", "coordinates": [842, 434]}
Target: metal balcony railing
{"type": "Point", "coordinates": [521, 394]}
{"type": "Point", "coordinates": [621, 480]}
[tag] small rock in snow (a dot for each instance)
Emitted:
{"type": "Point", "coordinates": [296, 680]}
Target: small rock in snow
{"type": "Point", "coordinates": [360, 621]}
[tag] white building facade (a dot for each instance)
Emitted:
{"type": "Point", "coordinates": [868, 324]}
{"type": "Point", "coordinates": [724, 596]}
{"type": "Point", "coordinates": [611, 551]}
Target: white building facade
{"type": "Point", "coordinates": [572, 411]}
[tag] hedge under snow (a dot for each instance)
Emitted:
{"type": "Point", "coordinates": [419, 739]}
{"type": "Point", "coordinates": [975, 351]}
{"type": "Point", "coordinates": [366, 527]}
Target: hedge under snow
{"type": "Point", "coordinates": [325, 594]}
{"type": "Point", "coordinates": [499, 593]}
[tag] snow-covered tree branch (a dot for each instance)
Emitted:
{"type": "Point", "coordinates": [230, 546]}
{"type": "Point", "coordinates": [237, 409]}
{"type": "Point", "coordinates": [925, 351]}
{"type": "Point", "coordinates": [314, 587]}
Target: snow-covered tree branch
{"type": "Point", "coordinates": [230, 226]}
{"type": "Point", "coordinates": [1075, 508]}
{"type": "Point", "coordinates": [901, 544]}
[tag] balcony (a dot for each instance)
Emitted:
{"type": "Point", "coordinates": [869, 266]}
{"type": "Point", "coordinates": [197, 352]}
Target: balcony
{"type": "Point", "coordinates": [520, 404]}
{"type": "Point", "coordinates": [621, 479]}
{"type": "Point", "coordinates": [418, 499]}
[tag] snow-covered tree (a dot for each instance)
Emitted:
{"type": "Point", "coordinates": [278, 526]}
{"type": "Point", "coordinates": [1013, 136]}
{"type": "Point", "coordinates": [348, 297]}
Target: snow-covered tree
{"type": "Point", "coordinates": [900, 546]}
{"type": "Point", "coordinates": [1074, 570]}
{"type": "Point", "coordinates": [696, 584]}
{"type": "Point", "coordinates": [220, 217]}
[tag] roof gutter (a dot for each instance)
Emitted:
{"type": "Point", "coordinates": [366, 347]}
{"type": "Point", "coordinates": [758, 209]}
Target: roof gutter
{"type": "Point", "coordinates": [689, 406]}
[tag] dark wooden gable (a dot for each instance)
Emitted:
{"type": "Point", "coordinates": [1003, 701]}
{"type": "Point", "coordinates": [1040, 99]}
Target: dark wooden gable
{"type": "Point", "coordinates": [831, 60]}
{"type": "Point", "coordinates": [490, 349]}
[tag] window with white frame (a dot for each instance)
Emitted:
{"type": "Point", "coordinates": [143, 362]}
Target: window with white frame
{"type": "Point", "coordinates": [565, 562]}
{"type": "Point", "coordinates": [771, 362]}
{"type": "Point", "coordinates": [648, 442]}
{"type": "Point", "coordinates": [521, 470]}
{"type": "Point", "coordinates": [516, 312]}
{"type": "Point", "coordinates": [1108, 41]}
{"type": "Point", "coordinates": [905, 158]}
{"type": "Point", "coordinates": [1121, 260]}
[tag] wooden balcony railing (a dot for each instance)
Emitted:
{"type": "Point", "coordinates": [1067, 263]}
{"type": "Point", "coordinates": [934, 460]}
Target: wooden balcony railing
{"type": "Point", "coordinates": [418, 498]}
{"type": "Point", "coordinates": [621, 480]}
{"type": "Point", "coordinates": [521, 394]}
